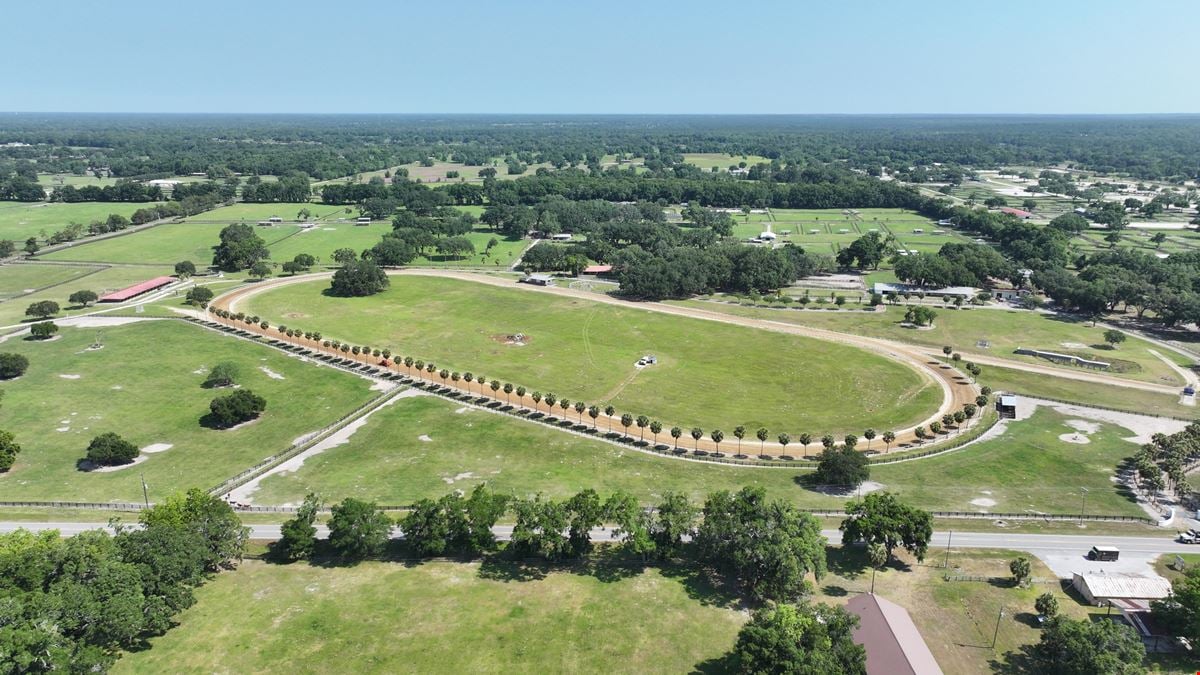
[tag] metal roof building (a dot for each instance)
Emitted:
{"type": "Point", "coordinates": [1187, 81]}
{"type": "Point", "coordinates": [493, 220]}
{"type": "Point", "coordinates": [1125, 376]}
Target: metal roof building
{"type": "Point", "coordinates": [1099, 587]}
{"type": "Point", "coordinates": [136, 289]}
{"type": "Point", "coordinates": [893, 643]}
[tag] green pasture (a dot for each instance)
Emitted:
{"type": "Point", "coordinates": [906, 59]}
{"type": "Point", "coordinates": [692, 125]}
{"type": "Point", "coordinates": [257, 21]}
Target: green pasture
{"type": "Point", "coordinates": [965, 329]}
{"type": "Point", "coordinates": [585, 350]}
{"type": "Point", "coordinates": [20, 279]}
{"type": "Point", "coordinates": [444, 617]}
{"type": "Point", "coordinates": [145, 384]}
{"type": "Point", "coordinates": [162, 245]}
{"type": "Point", "coordinates": [244, 211]}
{"type": "Point", "coordinates": [707, 160]}
{"type": "Point", "coordinates": [22, 220]}
{"type": "Point", "coordinates": [51, 181]}
{"type": "Point", "coordinates": [12, 310]}
{"type": "Point", "coordinates": [1086, 393]}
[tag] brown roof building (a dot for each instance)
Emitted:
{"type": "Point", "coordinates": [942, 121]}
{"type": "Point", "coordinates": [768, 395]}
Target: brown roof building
{"type": "Point", "coordinates": [893, 643]}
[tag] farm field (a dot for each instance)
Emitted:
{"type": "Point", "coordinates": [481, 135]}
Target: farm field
{"type": "Point", "coordinates": [287, 210]}
{"type": "Point", "coordinates": [12, 311]}
{"type": "Point", "coordinates": [361, 619]}
{"type": "Point", "coordinates": [145, 383]}
{"type": "Point", "coordinates": [1027, 468]}
{"type": "Point", "coordinates": [1003, 330]}
{"type": "Point", "coordinates": [51, 181]}
{"type": "Point", "coordinates": [584, 350]}
{"type": "Point", "coordinates": [707, 160]}
{"type": "Point", "coordinates": [1086, 393]}
{"type": "Point", "coordinates": [828, 230]}
{"type": "Point", "coordinates": [22, 220]}
{"type": "Point", "coordinates": [17, 280]}
{"type": "Point", "coordinates": [534, 618]}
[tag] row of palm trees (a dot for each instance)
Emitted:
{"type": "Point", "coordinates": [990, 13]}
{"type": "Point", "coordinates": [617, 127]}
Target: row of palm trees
{"type": "Point", "coordinates": [626, 420]}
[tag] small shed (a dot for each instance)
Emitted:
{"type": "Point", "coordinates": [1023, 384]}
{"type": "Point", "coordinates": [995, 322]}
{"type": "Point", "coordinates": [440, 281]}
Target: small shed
{"type": "Point", "coordinates": [1006, 405]}
{"type": "Point", "coordinates": [598, 269]}
{"type": "Point", "coordinates": [362, 220]}
{"type": "Point", "coordinates": [561, 236]}
{"type": "Point", "coordinates": [1120, 588]}
{"type": "Point", "coordinates": [538, 279]}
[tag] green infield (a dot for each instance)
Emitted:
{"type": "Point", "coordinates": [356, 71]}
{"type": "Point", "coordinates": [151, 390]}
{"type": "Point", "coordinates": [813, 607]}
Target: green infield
{"type": "Point", "coordinates": [708, 374]}
{"type": "Point", "coordinates": [145, 384]}
{"type": "Point", "coordinates": [992, 332]}
{"type": "Point", "coordinates": [24, 279]}
{"type": "Point", "coordinates": [1086, 393]}
{"type": "Point", "coordinates": [472, 618]}
{"type": "Point", "coordinates": [22, 220]}
{"type": "Point", "coordinates": [425, 446]}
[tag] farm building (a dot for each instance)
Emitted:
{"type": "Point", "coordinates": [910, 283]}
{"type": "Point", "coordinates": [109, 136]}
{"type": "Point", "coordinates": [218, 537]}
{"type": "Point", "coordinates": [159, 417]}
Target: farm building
{"type": "Point", "coordinates": [1006, 405]}
{"type": "Point", "coordinates": [561, 236]}
{"type": "Point", "coordinates": [1120, 589]}
{"type": "Point", "coordinates": [136, 290]}
{"type": "Point", "coordinates": [893, 643]}
{"type": "Point", "coordinates": [538, 279]}
{"type": "Point", "coordinates": [598, 269]}
{"type": "Point", "coordinates": [362, 220]}
{"type": "Point", "coordinates": [965, 292]}
{"type": "Point", "coordinates": [1020, 213]}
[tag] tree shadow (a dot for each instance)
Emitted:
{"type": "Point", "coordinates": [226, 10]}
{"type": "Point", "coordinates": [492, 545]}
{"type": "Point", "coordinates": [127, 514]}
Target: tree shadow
{"type": "Point", "coordinates": [704, 585]}
{"type": "Point", "coordinates": [1017, 662]}
{"type": "Point", "coordinates": [499, 568]}
{"type": "Point", "coordinates": [717, 665]}
{"type": "Point", "coordinates": [1028, 618]}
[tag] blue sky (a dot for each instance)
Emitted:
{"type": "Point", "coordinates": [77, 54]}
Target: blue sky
{"type": "Point", "coordinates": [602, 56]}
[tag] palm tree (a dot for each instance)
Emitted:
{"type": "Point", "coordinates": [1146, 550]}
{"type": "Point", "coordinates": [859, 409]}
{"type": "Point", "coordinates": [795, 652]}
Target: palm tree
{"type": "Point", "coordinates": [482, 383]}
{"type": "Point", "coordinates": [717, 436]}
{"type": "Point", "coordinates": [430, 368]}
{"type": "Point", "coordinates": [850, 440]}
{"type": "Point", "coordinates": [919, 432]}
{"type": "Point", "coordinates": [508, 390]}
{"type": "Point", "coordinates": [565, 404]}
{"type": "Point", "coordinates": [580, 406]}
{"type": "Point", "coordinates": [805, 439]}
{"type": "Point", "coordinates": [739, 432]}
{"type": "Point", "coordinates": [828, 441]}
{"type": "Point", "coordinates": [761, 434]}
{"type": "Point", "coordinates": [444, 374]}
{"type": "Point", "coordinates": [468, 377]}
{"type": "Point", "coordinates": [656, 429]}
{"type": "Point", "coordinates": [889, 437]}
{"type": "Point", "coordinates": [455, 377]}
{"type": "Point", "coordinates": [537, 398]}
{"type": "Point", "coordinates": [784, 439]}
{"type": "Point", "coordinates": [676, 432]}
{"type": "Point", "coordinates": [521, 396]}
{"type": "Point", "coordinates": [642, 422]}
{"type": "Point", "coordinates": [697, 434]}
{"type": "Point", "coordinates": [609, 411]}
{"type": "Point", "coordinates": [869, 434]}
{"type": "Point", "coordinates": [935, 427]}
{"type": "Point", "coordinates": [550, 400]}
{"type": "Point", "coordinates": [593, 412]}
{"type": "Point", "coordinates": [626, 420]}
{"type": "Point", "coordinates": [495, 385]}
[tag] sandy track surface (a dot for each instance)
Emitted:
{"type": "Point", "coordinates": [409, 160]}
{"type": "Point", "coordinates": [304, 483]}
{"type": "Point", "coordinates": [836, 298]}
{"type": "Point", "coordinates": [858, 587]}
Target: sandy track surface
{"type": "Point", "coordinates": [957, 391]}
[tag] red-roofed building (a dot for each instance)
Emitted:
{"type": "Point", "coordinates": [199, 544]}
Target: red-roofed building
{"type": "Point", "coordinates": [136, 289]}
{"type": "Point", "coordinates": [1016, 212]}
{"type": "Point", "coordinates": [597, 269]}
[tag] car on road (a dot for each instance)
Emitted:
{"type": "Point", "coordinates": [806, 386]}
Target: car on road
{"type": "Point", "coordinates": [1189, 537]}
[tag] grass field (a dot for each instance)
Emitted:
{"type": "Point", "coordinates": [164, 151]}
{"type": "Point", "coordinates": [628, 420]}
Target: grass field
{"type": "Point", "coordinates": [585, 350]}
{"type": "Point", "coordinates": [170, 243]}
{"type": "Point", "coordinates": [1026, 469]}
{"type": "Point", "coordinates": [443, 617]}
{"type": "Point", "coordinates": [1003, 330]}
{"type": "Point", "coordinates": [555, 619]}
{"type": "Point", "coordinates": [12, 311]}
{"type": "Point", "coordinates": [143, 384]}
{"type": "Point", "coordinates": [21, 220]}
{"type": "Point", "coordinates": [1121, 398]}
{"type": "Point", "coordinates": [287, 210]}
{"type": "Point", "coordinates": [707, 160]}
{"type": "Point", "coordinates": [17, 280]}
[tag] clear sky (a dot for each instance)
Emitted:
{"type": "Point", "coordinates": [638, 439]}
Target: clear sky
{"type": "Point", "coordinates": [602, 56]}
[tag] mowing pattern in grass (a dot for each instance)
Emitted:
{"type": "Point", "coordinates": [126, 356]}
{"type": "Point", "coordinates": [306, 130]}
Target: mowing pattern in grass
{"type": "Point", "coordinates": [144, 385]}
{"type": "Point", "coordinates": [708, 374]}
{"type": "Point", "coordinates": [17, 280]}
{"type": "Point", "coordinates": [442, 617]}
{"type": "Point", "coordinates": [966, 329]}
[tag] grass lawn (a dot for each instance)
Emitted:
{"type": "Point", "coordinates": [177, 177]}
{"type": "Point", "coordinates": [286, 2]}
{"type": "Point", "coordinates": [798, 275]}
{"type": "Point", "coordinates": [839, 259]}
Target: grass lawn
{"type": "Point", "coordinates": [21, 220]}
{"type": "Point", "coordinates": [442, 617]}
{"type": "Point", "coordinates": [1004, 330]}
{"type": "Point", "coordinates": [143, 385]}
{"type": "Point", "coordinates": [114, 278]}
{"type": "Point", "coordinates": [162, 245]}
{"type": "Point", "coordinates": [16, 280]}
{"type": "Point", "coordinates": [249, 212]}
{"type": "Point", "coordinates": [709, 374]}
{"type": "Point", "coordinates": [1086, 393]}
{"type": "Point", "coordinates": [386, 461]}
{"type": "Point", "coordinates": [721, 160]}
{"type": "Point", "coordinates": [1026, 469]}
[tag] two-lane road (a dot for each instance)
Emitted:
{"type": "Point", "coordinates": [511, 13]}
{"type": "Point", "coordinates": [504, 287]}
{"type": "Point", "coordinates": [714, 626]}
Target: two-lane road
{"type": "Point", "coordinates": [1064, 554]}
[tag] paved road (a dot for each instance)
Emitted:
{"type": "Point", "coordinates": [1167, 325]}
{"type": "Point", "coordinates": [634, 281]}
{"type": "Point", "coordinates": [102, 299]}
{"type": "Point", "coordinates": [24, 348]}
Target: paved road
{"type": "Point", "coordinates": [1064, 554]}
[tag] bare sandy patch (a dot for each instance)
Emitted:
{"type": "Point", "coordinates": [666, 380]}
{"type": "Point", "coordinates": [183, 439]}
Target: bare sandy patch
{"type": "Point", "coordinates": [1084, 426]}
{"type": "Point", "coordinates": [1076, 438]}
{"type": "Point", "coordinates": [271, 374]}
{"type": "Point", "coordinates": [157, 447]}
{"type": "Point", "coordinates": [92, 468]}
{"type": "Point", "coordinates": [424, 437]}
{"type": "Point", "coordinates": [69, 376]}
{"type": "Point", "coordinates": [984, 502]}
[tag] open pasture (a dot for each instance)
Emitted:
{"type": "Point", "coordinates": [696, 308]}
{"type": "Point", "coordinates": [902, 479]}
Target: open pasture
{"type": "Point", "coordinates": [22, 220]}
{"type": "Point", "coordinates": [585, 350]}
{"type": "Point", "coordinates": [12, 310]}
{"type": "Point", "coordinates": [708, 160]}
{"type": "Point", "coordinates": [145, 384]}
{"type": "Point", "coordinates": [21, 279]}
{"type": "Point", "coordinates": [289, 211]}
{"type": "Point", "coordinates": [1003, 331]}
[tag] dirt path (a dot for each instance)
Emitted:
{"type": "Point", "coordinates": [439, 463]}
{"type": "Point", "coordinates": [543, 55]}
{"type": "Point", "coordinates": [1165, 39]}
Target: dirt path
{"type": "Point", "coordinates": [957, 391]}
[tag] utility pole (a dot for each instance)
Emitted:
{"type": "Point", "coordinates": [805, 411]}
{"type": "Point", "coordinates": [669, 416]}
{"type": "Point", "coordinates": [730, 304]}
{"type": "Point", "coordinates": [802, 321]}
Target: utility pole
{"type": "Point", "coordinates": [996, 633]}
{"type": "Point", "coordinates": [949, 536]}
{"type": "Point", "coordinates": [1083, 505]}
{"type": "Point", "coordinates": [145, 491]}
